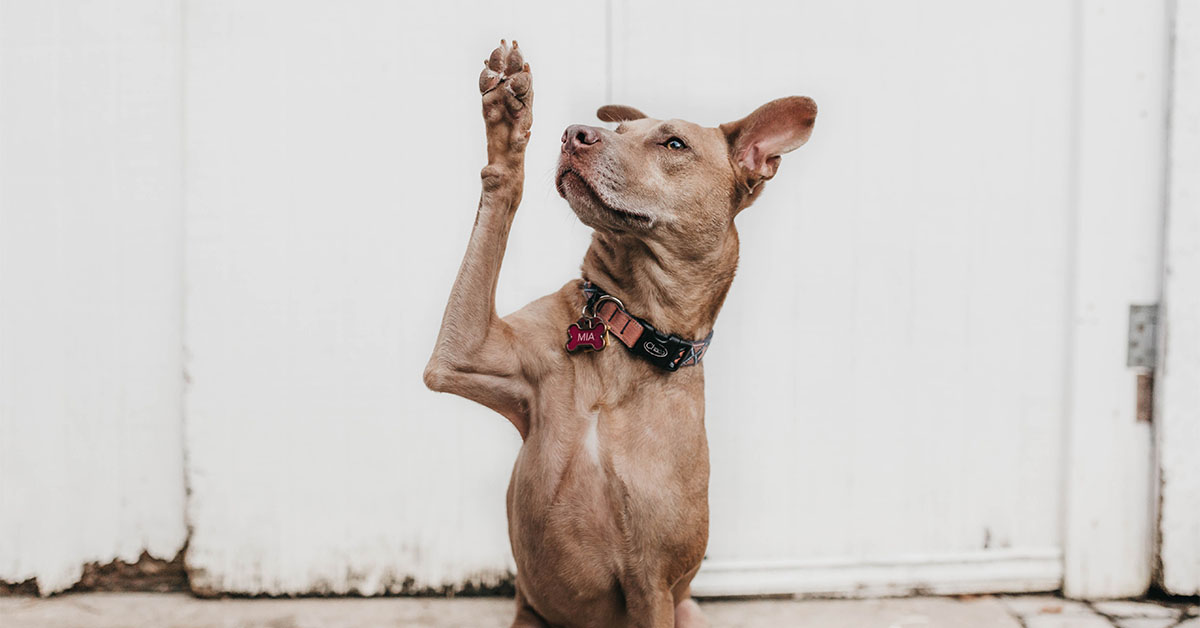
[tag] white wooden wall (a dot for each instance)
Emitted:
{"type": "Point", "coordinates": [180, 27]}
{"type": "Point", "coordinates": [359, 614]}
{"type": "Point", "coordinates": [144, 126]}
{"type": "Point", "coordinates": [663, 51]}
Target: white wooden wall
{"type": "Point", "coordinates": [954, 254]}
{"type": "Point", "coordinates": [90, 310]}
{"type": "Point", "coordinates": [920, 250]}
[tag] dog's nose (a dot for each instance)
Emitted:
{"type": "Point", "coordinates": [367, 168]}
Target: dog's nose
{"type": "Point", "coordinates": [578, 136]}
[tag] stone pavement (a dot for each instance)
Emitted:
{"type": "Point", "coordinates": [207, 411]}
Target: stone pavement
{"type": "Point", "coordinates": [1050, 612]}
{"type": "Point", "coordinates": [151, 610]}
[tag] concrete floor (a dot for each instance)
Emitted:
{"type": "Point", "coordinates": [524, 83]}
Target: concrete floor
{"type": "Point", "coordinates": [149, 610]}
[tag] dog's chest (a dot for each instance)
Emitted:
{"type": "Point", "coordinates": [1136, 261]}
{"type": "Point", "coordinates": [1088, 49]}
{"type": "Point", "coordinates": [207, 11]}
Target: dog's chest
{"type": "Point", "coordinates": [620, 406]}
{"type": "Point", "coordinates": [616, 463]}
{"type": "Point", "coordinates": [607, 440]}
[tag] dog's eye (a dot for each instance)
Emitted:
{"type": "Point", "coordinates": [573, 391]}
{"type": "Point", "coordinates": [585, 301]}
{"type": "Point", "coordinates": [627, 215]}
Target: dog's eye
{"type": "Point", "coordinates": [675, 144]}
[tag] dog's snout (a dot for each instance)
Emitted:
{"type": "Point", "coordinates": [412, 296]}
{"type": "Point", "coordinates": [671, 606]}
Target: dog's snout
{"type": "Point", "coordinates": [578, 136]}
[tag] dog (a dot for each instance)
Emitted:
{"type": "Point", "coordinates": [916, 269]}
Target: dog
{"type": "Point", "coordinates": [608, 500]}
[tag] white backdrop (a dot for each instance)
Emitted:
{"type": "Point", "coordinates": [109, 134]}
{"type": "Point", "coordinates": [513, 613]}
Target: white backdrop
{"type": "Point", "coordinates": [952, 255]}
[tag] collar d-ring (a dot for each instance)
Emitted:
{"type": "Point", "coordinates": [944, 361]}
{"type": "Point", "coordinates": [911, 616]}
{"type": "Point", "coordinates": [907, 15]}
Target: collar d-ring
{"type": "Point", "coordinates": [595, 305]}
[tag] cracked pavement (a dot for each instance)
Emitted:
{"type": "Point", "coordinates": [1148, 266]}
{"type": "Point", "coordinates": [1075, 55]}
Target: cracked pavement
{"type": "Point", "coordinates": [1034, 611]}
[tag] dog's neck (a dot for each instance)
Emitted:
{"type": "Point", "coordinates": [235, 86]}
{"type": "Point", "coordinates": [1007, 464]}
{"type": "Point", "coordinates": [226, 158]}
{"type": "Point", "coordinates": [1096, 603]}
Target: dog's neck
{"type": "Point", "coordinates": [676, 295]}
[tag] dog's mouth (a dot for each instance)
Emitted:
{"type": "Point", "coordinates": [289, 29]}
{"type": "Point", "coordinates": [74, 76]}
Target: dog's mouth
{"type": "Point", "coordinates": [569, 176]}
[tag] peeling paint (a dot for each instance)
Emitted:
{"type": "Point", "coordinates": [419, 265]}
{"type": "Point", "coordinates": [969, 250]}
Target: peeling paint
{"type": "Point", "coordinates": [481, 584]}
{"type": "Point", "coordinates": [147, 574]}
{"type": "Point", "coordinates": [25, 587]}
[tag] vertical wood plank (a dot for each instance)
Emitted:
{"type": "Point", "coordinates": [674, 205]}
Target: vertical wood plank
{"type": "Point", "coordinates": [1178, 408]}
{"type": "Point", "coordinates": [334, 152]}
{"type": "Point", "coordinates": [915, 256]}
{"type": "Point", "coordinates": [90, 286]}
{"type": "Point", "coordinates": [1118, 218]}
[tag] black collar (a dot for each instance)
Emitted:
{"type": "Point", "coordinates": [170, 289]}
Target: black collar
{"type": "Point", "coordinates": [666, 351]}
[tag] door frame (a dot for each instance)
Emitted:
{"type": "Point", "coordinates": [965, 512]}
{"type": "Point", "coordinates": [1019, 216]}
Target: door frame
{"type": "Point", "coordinates": [1177, 408]}
{"type": "Point", "coordinates": [1122, 86]}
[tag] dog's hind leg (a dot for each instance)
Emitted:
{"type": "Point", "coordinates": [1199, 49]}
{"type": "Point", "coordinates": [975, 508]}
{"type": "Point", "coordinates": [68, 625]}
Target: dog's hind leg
{"type": "Point", "coordinates": [526, 616]}
{"type": "Point", "coordinates": [688, 615]}
{"type": "Point", "coordinates": [687, 611]}
{"type": "Point", "coordinates": [478, 355]}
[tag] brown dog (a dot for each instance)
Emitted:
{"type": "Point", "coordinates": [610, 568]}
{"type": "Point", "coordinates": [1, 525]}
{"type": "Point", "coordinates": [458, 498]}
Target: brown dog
{"type": "Point", "coordinates": [608, 502]}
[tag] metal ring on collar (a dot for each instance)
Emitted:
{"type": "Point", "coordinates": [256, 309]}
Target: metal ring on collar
{"type": "Point", "coordinates": [601, 299]}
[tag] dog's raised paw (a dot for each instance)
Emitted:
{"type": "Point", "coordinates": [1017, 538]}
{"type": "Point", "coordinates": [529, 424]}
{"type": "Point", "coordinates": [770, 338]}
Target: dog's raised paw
{"type": "Point", "coordinates": [504, 65]}
{"type": "Point", "coordinates": [506, 79]}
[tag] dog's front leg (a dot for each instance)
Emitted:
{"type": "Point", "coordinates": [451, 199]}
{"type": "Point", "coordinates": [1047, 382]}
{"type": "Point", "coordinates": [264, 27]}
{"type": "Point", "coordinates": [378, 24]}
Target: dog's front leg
{"type": "Point", "coordinates": [478, 355]}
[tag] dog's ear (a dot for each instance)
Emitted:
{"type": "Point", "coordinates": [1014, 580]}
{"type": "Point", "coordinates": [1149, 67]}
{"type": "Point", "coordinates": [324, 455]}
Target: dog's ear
{"type": "Point", "coordinates": [757, 141]}
{"type": "Point", "coordinates": [618, 113]}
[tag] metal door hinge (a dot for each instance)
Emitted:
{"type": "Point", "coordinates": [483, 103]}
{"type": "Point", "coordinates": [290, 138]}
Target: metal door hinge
{"type": "Point", "coordinates": [1142, 354]}
{"type": "Point", "coordinates": [1143, 336]}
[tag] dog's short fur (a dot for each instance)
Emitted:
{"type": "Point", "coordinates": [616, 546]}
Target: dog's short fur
{"type": "Point", "coordinates": [608, 502]}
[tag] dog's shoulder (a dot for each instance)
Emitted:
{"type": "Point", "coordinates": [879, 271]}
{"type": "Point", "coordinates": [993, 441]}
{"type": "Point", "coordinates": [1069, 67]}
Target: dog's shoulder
{"type": "Point", "coordinates": [540, 327]}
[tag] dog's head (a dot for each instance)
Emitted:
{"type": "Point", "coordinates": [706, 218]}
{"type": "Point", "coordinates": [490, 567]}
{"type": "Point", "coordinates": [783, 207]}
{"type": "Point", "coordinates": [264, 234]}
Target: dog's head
{"type": "Point", "coordinates": [673, 181]}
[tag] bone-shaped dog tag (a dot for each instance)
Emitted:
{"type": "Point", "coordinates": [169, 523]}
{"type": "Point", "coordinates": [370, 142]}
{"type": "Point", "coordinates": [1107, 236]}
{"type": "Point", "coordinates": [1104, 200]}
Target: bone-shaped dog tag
{"type": "Point", "coordinates": [586, 333]}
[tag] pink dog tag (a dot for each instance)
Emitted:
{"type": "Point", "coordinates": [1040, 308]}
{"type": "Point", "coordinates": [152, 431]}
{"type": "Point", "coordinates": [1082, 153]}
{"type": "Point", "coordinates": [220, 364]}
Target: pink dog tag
{"type": "Point", "coordinates": [586, 333]}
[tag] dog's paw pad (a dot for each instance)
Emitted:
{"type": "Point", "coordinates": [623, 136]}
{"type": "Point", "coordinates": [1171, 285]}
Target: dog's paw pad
{"type": "Point", "coordinates": [506, 66]}
{"type": "Point", "coordinates": [507, 88]}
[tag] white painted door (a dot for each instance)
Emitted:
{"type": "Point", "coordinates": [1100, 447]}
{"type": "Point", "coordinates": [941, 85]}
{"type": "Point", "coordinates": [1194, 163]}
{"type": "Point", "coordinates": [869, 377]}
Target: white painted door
{"type": "Point", "coordinates": [334, 152]}
{"type": "Point", "coordinates": [911, 432]}
{"type": "Point", "coordinates": [911, 262]}
{"type": "Point", "coordinates": [927, 258]}
{"type": "Point", "coordinates": [91, 454]}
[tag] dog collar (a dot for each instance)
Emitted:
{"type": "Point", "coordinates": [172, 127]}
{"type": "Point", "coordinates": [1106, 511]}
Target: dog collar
{"type": "Point", "coordinates": [666, 351]}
